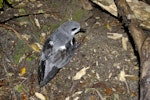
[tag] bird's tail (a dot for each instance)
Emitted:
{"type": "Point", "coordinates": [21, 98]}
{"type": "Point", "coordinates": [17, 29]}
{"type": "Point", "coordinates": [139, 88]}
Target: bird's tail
{"type": "Point", "coordinates": [50, 76]}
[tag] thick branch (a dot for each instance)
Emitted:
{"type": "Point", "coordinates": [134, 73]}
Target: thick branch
{"type": "Point", "coordinates": [142, 43]}
{"type": "Point", "coordinates": [139, 8]}
{"type": "Point", "coordinates": [130, 21]}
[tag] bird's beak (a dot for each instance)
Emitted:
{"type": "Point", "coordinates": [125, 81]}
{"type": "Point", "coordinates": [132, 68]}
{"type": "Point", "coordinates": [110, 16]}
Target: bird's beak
{"type": "Point", "coordinates": [82, 30]}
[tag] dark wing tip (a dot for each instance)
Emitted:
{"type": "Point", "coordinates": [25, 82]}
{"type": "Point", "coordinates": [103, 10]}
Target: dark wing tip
{"type": "Point", "coordinates": [41, 69]}
{"type": "Point", "coordinates": [50, 76]}
{"type": "Point", "coordinates": [43, 83]}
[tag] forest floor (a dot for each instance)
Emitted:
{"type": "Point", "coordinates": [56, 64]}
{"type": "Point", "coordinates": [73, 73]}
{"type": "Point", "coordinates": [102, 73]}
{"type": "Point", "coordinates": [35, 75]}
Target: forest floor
{"type": "Point", "coordinates": [106, 63]}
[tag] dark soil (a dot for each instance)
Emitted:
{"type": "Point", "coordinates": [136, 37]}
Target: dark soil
{"type": "Point", "coordinates": [105, 57]}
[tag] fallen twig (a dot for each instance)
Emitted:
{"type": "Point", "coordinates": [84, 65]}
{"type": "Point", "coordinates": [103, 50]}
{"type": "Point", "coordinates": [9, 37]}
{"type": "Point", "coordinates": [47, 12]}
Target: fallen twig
{"type": "Point", "coordinates": [12, 29]}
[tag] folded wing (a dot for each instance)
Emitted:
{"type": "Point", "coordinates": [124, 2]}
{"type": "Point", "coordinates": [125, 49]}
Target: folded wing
{"type": "Point", "coordinates": [50, 65]}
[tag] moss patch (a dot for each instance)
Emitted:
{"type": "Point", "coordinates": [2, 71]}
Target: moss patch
{"type": "Point", "coordinates": [78, 15]}
{"type": "Point", "coordinates": [21, 48]}
{"type": "Point", "coordinates": [54, 26]}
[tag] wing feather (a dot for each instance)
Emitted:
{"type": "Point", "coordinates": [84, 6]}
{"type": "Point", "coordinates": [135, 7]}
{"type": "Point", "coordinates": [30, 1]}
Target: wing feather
{"type": "Point", "coordinates": [49, 67]}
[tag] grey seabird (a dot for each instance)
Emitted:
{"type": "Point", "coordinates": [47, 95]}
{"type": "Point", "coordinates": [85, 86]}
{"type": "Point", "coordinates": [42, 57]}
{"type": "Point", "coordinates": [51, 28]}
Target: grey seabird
{"type": "Point", "coordinates": [57, 51]}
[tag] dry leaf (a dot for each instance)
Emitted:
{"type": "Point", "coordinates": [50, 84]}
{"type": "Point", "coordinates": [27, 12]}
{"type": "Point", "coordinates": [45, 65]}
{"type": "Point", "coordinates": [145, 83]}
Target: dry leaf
{"type": "Point", "coordinates": [23, 96]}
{"type": "Point", "coordinates": [124, 42]}
{"type": "Point", "coordinates": [108, 91]}
{"type": "Point", "coordinates": [22, 71]}
{"type": "Point", "coordinates": [21, 58]}
{"type": "Point", "coordinates": [110, 74]}
{"type": "Point", "coordinates": [26, 36]}
{"type": "Point", "coordinates": [36, 47]}
{"type": "Point", "coordinates": [42, 37]}
{"type": "Point", "coordinates": [40, 96]}
{"type": "Point", "coordinates": [76, 98]}
{"type": "Point", "coordinates": [108, 27]}
{"type": "Point", "coordinates": [39, 5]}
{"type": "Point", "coordinates": [37, 23]}
{"type": "Point", "coordinates": [76, 93]}
{"type": "Point", "coordinates": [81, 73]}
{"type": "Point", "coordinates": [97, 75]}
{"type": "Point", "coordinates": [116, 96]}
{"type": "Point", "coordinates": [123, 75]}
{"type": "Point", "coordinates": [23, 23]}
{"type": "Point", "coordinates": [67, 98]}
{"type": "Point", "coordinates": [114, 36]}
{"type": "Point", "coordinates": [10, 74]}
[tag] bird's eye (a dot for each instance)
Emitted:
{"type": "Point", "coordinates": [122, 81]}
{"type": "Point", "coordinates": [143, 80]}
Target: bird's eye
{"type": "Point", "coordinates": [74, 29]}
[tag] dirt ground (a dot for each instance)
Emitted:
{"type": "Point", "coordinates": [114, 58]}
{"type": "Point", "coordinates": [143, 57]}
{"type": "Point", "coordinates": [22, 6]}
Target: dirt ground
{"type": "Point", "coordinates": [111, 70]}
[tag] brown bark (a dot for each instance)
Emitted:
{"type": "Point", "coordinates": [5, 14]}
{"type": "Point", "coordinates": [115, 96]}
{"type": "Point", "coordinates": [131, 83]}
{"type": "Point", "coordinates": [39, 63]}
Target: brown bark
{"type": "Point", "coordinates": [142, 43]}
{"type": "Point", "coordinates": [137, 6]}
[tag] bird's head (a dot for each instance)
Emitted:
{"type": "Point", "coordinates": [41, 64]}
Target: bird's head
{"type": "Point", "coordinates": [71, 28]}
